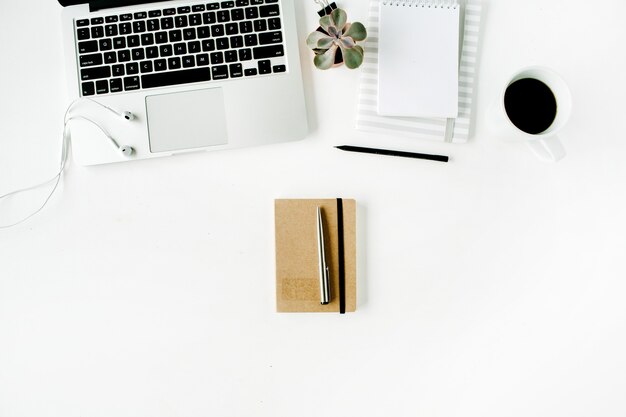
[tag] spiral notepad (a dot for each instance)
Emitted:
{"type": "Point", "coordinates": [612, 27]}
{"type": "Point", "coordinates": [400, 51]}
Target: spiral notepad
{"type": "Point", "coordinates": [418, 58]}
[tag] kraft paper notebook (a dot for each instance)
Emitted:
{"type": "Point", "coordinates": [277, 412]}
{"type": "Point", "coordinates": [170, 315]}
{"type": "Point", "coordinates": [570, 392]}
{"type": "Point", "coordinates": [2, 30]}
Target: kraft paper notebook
{"type": "Point", "coordinates": [297, 256]}
{"type": "Point", "coordinates": [418, 58]}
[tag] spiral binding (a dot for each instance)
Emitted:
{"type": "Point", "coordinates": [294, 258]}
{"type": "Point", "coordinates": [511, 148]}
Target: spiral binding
{"type": "Point", "coordinates": [431, 4]}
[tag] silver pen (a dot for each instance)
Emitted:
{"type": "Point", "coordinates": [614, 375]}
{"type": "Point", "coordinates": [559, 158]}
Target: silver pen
{"type": "Point", "coordinates": [324, 272]}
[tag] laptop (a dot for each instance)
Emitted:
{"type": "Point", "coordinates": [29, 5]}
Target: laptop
{"type": "Point", "coordinates": [208, 75]}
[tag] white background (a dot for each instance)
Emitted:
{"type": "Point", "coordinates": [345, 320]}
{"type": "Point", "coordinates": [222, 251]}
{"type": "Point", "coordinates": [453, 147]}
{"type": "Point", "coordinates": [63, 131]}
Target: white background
{"type": "Point", "coordinates": [493, 285]}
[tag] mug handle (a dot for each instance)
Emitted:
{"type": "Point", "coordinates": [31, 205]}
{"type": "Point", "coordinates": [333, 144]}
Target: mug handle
{"type": "Point", "coordinates": [549, 149]}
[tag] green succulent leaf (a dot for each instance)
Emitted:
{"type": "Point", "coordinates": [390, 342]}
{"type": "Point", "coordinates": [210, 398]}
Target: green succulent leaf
{"type": "Point", "coordinates": [356, 31]}
{"type": "Point", "coordinates": [317, 40]}
{"type": "Point", "coordinates": [347, 42]}
{"type": "Point", "coordinates": [326, 21]}
{"type": "Point", "coordinates": [325, 60]}
{"type": "Point", "coordinates": [340, 18]}
{"type": "Point", "coordinates": [352, 57]}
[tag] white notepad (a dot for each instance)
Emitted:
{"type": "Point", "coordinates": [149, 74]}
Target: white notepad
{"type": "Point", "coordinates": [418, 58]}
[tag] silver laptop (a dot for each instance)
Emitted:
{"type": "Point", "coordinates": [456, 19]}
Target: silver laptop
{"type": "Point", "coordinates": [206, 75]}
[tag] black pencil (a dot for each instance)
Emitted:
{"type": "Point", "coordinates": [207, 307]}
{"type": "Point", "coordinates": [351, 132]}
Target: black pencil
{"type": "Point", "coordinates": [440, 158]}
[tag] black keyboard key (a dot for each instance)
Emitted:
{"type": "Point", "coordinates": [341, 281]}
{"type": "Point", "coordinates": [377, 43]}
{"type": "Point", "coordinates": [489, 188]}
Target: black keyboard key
{"type": "Point", "coordinates": [169, 12]}
{"type": "Point", "coordinates": [181, 21]}
{"type": "Point", "coordinates": [269, 11]}
{"type": "Point", "coordinates": [223, 16]}
{"type": "Point", "coordinates": [132, 68]}
{"type": "Point", "coordinates": [217, 30]}
{"type": "Point", "coordinates": [265, 67]}
{"type": "Point", "coordinates": [236, 70]}
{"type": "Point", "coordinates": [167, 23]}
{"type": "Point", "coordinates": [204, 32]}
{"type": "Point", "coordinates": [236, 41]}
{"type": "Point", "coordinates": [82, 22]}
{"type": "Point", "coordinates": [138, 54]}
{"type": "Point", "coordinates": [209, 18]}
{"type": "Point", "coordinates": [195, 19]}
{"type": "Point", "coordinates": [118, 70]}
{"type": "Point", "coordinates": [245, 27]}
{"type": "Point", "coordinates": [90, 60]}
{"type": "Point", "coordinates": [217, 58]}
{"type": "Point", "coordinates": [154, 13]}
{"type": "Point", "coordinates": [241, 3]}
{"type": "Point", "coordinates": [252, 13]}
{"type": "Point", "coordinates": [230, 56]}
{"type": "Point", "coordinates": [95, 73]}
{"type": "Point", "coordinates": [125, 17]}
{"type": "Point", "coordinates": [202, 60]}
{"type": "Point", "coordinates": [176, 77]}
{"type": "Point", "coordinates": [208, 45]}
{"type": "Point", "coordinates": [212, 6]}
{"type": "Point", "coordinates": [145, 67]}
{"type": "Point", "coordinates": [133, 41]}
{"type": "Point", "coordinates": [222, 43]}
{"type": "Point", "coordinates": [189, 34]}
{"type": "Point", "coordinates": [180, 48]}
{"type": "Point", "coordinates": [88, 88]}
{"type": "Point", "coordinates": [250, 40]}
{"type": "Point", "coordinates": [194, 47]}
{"type": "Point", "coordinates": [126, 29]}
{"type": "Point", "coordinates": [102, 87]}
{"type": "Point", "coordinates": [184, 9]}
{"type": "Point", "coordinates": [260, 25]}
{"type": "Point", "coordinates": [237, 14]}
{"type": "Point", "coordinates": [231, 28]}
{"type": "Point", "coordinates": [256, 2]}
{"type": "Point", "coordinates": [115, 85]}
{"type": "Point", "coordinates": [189, 61]}
{"type": "Point", "coordinates": [105, 44]}
{"type": "Point", "coordinates": [173, 63]}
{"type": "Point", "coordinates": [152, 52]}
{"type": "Point", "coordinates": [97, 32]}
{"type": "Point", "coordinates": [119, 43]}
{"type": "Point", "coordinates": [97, 20]}
{"type": "Point", "coordinates": [160, 65]}
{"type": "Point", "coordinates": [250, 71]}
{"type": "Point", "coordinates": [176, 36]}
{"type": "Point", "coordinates": [198, 8]}
{"type": "Point", "coordinates": [160, 37]}
{"type": "Point", "coordinates": [227, 4]}
{"type": "Point", "coordinates": [274, 23]}
{"type": "Point", "coordinates": [270, 37]}
{"type": "Point", "coordinates": [166, 50]}
{"type": "Point", "coordinates": [279, 68]}
{"type": "Point", "coordinates": [141, 15]}
{"type": "Point", "coordinates": [268, 51]}
{"type": "Point", "coordinates": [153, 25]}
{"type": "Point", "coordinates": [245, 54]}
{"type": "Point", "coordinates": [110, 58]}
{"type": "Point", "coordinates": [110, 30]}
{"type": "Point", "coordinates": [271, 1]}
{"type": "Point", "coordinates": [220, 72]}
{"type": "Point", "coordinates": [131, 83]}
{"type": "Point", "coordinates": [123, 56]}
{"type": "Point", "coordinates": [147, 39]}
{"type": "Point", "coordinates": [139, 26]}
{"type": "Point", "coordinates": [87, 46]}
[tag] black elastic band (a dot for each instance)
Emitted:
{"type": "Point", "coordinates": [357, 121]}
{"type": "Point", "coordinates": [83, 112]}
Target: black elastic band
{"type": "Point", "coordinates": [342, 266]}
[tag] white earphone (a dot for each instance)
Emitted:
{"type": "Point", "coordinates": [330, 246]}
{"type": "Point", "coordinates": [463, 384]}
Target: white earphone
{"type": "Point", "coordinates": [125, 150]}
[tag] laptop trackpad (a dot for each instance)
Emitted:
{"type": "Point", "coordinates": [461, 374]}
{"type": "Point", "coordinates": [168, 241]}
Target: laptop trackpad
{"type": "Point", "coordinates": [186, 120]}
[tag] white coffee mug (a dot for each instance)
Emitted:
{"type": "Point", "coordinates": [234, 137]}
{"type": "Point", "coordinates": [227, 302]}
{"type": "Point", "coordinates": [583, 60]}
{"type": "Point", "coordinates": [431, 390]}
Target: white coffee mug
{"type": "Point", "coordinates": [546, 145]}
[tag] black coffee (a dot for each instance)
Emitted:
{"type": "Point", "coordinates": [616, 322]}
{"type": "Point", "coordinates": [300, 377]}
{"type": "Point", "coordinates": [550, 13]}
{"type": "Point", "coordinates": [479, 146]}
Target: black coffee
{"type": "Point", "coordinates": [530, 105]}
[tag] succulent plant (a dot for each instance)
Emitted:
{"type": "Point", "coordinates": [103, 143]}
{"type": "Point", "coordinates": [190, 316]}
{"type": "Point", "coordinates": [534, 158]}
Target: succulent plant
{"type": "Point", "coordinates": [337, 36]}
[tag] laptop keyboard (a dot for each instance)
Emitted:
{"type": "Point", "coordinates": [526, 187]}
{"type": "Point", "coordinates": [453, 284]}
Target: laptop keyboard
{"type": "Point", "coordinates": [179, 45]}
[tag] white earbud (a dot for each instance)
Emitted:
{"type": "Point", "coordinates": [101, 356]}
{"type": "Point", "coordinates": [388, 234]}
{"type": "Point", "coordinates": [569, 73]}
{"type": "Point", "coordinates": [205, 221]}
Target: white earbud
{"type": "Point", "coordinates": [127, 115]}
{"type": "Point", "coordinates": [126, 150]}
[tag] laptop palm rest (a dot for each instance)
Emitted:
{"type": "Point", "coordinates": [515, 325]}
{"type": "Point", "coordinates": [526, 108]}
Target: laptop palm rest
{"type": "Point", "coordinates": [186, 120]}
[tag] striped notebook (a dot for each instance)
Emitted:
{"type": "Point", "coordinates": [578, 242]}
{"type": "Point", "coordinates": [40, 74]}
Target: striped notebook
{"type": "Point", "coordinates": [448, 130]}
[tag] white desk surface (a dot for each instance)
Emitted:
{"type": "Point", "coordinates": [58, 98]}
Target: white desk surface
{"type": "Point", "coordinates": [493, 285]}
